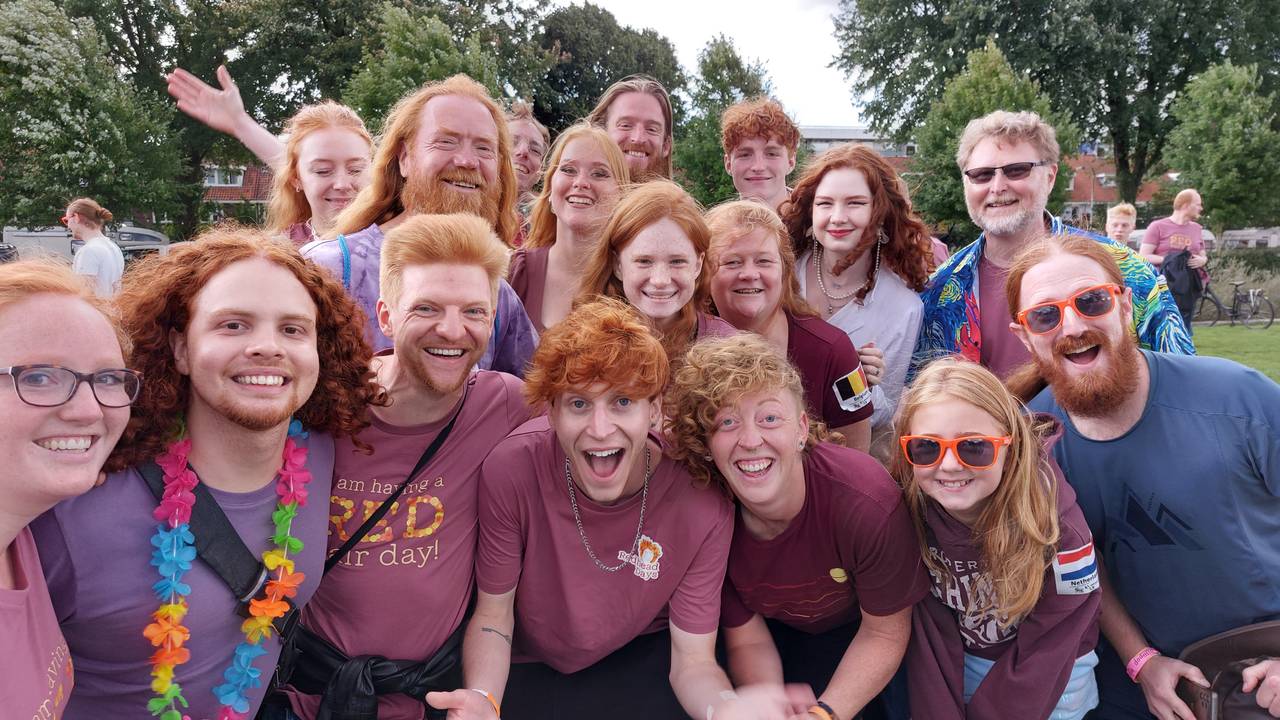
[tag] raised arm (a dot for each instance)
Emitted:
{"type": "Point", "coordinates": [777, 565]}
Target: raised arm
{"type": "Point", "coordinates": [223, 110]}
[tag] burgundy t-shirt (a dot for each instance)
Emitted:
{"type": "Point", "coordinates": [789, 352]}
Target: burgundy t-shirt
{"type": "Point", "coordinates": [423, 550]}
{"type": "Point", "coordinates": [1002, 352]}
{"type": "Point", "coordinates": [1170, 237]}
{"type": "Point", "coordinates": [569, 613]}
{"type": "Point", "coordinates": [528, 277]}
{"type": "Point", "coordinates": [710, 326]}
{"type": "Point", "coordinates": [851, 548]}
{"type": "Point", "coordinates": [35, 673]}
{"type": "Point", "coordinates": [96, 554]}
{"type": "Point", "coordinates": [823, 354]}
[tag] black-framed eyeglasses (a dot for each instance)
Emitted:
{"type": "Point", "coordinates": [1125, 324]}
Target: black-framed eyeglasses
{"type": "Point", "coordinates": [53, 385]}
{"type": "Point", "coordinates": [1012, 171]}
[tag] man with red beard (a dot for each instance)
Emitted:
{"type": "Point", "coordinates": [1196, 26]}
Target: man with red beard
{"type": "Point", "coordinates": [636, 112]}
{"type": "Point", "coordinates": [445, 148]}
{"type": "Point", "coordinates": [1175, 460]}
{"type": "Point", "coordinates": [439, 279]}
{"type": "Point", "coordinates": [235, 336]}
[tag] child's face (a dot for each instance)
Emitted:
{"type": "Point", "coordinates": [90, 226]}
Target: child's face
{"type": "Point", "coordinates": [960, 489]}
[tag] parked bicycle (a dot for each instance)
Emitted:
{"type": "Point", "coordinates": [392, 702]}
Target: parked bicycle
{"type": "Point", "coordinates": [1249, 307]}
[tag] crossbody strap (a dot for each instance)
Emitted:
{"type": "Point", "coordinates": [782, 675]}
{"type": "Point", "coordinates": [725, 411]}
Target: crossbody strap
{"type": "Point", "coordinates": [386, 504]}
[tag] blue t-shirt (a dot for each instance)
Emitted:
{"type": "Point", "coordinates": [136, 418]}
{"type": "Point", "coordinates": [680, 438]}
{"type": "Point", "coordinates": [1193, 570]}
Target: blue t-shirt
{"type": "Point", "coordinates": [1185, 506]}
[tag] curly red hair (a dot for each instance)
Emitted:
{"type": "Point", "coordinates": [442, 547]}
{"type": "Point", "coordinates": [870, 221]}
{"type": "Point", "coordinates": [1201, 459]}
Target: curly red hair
{"type": "Point", "coordinates": [157, 299]}
{"type": "Point", "coordinates": [757, 117]}
{"type": "Point", "coordinates": [601, 341]}
{"type": "Point", "coordinates": [909, 250]}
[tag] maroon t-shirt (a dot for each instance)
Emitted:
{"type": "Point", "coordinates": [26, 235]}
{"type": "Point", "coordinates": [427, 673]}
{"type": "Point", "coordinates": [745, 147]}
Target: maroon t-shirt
{"type": "Point", "coordinates": [421, 555]}
{"type": "Point", "coordinates": [1002, 352]}
{"type": "Point", "coordinates": [823, 353]}
{"type": "Point", "coordinates": [569, 613]}
{"type": "Point", "coordinates": [713, 326]}
{"type": "Point", "coordinates": [528, 277]}
{"type": "Point", "coordinates": [35, 674]}
{"type": "Point", "coordinates": [1033, 659]}
{"type": "Point", "coordinates": [851, 548]}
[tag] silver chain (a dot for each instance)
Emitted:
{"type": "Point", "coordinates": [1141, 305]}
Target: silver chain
{"type": "Point", "coordinates": [817, 260]}
{"type": "Point", "coordinates": [577, 516]}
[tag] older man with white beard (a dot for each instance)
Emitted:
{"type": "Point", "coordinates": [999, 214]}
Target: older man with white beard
{"type": "Point", "coordinates": [1009, 162]}
{"type": "Point", "coordinates": [445, 148]}
{"type": "Point", "coordinates": [1175, 461]}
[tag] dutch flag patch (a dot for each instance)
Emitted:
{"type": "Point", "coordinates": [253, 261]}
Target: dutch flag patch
{"type": "Point", "coordinates": [1076, 571]}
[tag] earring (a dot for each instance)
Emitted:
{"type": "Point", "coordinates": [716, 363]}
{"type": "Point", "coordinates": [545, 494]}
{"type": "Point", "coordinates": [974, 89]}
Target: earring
{"type": "Point", "coordinates": [707, 458]}
{"type": "Point", "coordinates": [808, 232]}
{"type": "Point", "coordinates": [881, 236]}
{"type": "Point", "coordinates": [802, 444]}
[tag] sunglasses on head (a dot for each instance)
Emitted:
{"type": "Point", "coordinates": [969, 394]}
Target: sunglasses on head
{"type": "Point", "coordinates": [1012, 171]}
{"type": "Point", "coordinates": [1091, 302]}
{"type": "Point", "coordinates": [976, 452]}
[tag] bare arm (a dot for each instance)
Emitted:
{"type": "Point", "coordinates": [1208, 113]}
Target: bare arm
{"type": "Point", "coordinates": [486, 659]}
{"type": "Point", "coordinates": [753, 658]}
{"type": "Point", "coordinates": [857, 435]}
{"type": "Point", "coordinates": [1148, 253]}
{"type": "Point", "coordinates": [869, 663]}
{"type": "Point", "coordinates": [1159, 677]}
{"type": "Point", "coordinates": [223, 110]}
{"type": "Point", "coordinates": [703, 689]}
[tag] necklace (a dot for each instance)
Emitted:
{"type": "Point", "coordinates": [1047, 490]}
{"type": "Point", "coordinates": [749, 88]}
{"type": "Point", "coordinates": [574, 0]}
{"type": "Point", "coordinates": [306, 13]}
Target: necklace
{"type": "Point", "coordinates": [173, 556]}
{"type": "Point", "coordinates": [577, 516]}
{"type": "Point", "coordinates": [841, 299]}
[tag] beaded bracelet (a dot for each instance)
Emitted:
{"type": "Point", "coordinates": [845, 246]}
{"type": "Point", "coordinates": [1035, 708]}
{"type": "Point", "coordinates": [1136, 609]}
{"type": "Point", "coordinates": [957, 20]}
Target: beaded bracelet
{"type": "Point", "coordinates": [1137, 662]}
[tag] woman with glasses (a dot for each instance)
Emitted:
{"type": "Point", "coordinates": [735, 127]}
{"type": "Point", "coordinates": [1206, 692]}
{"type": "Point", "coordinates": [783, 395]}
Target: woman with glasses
{"type": "Point", "coordinates": [64, 402]}
{"type": "Point", "coordinates": [99, 259]}
{"type": "Point", "coordinates": [1010, 626]}
{"type": "Point", "coordinates": [822, 569]}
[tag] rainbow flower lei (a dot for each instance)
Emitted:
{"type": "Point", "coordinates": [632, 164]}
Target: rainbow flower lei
{"type": "Point", "coordinates": [173, 556]}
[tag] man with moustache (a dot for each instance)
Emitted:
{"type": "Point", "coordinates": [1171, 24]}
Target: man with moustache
{"type": "Point", "coordinates": [403, 590]}
{"type": "Point", "coordinates": [1175, 461]}
{"type": "Point", "coordinates": [1009, 162]}
{"type": "Point", "coordinates": [636, 112]}
{"type": "Point", "coordinates": [251, 369]}
{"type": "Point", "coordinates": [759, 143]}
{"type": "Point", "coordinates": [445, 148]}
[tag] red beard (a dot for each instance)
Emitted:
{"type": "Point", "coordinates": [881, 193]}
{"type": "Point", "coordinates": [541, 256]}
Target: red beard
{"type": "Point", "coordinates": [436, 197]}
{"type": "Point", "coordinates": [1098, 392]}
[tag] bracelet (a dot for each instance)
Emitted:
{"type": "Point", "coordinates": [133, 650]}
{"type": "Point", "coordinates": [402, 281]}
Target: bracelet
{"type": "Point", "coordinates": [1137, 662]}
{"type": "Point", "coordinates": [497, 711]}
{"type": "Point", "coordinates": [724, 695]}
{"type": "Point", "coordinates": [823, 711]}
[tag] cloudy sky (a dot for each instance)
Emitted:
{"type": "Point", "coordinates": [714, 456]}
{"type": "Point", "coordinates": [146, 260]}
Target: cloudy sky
{"type": "Point", "coordinates": [793, 38]}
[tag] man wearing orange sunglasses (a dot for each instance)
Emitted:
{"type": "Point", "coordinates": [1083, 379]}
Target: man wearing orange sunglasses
{"type": "Point", "coordinates": [1175, 461]}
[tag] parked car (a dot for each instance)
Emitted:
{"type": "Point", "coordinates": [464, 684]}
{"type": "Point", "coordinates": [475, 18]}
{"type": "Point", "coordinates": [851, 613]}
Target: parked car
{"type": "Point", "coordinates": [134, 242]}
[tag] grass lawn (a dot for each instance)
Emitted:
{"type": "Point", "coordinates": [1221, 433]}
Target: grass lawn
{"type": "Point", "coordinates": [1259, 349]}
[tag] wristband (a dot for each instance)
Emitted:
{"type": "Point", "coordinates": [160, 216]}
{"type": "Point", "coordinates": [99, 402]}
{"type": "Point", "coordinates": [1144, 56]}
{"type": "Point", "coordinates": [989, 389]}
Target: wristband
{"type": "Point", "coordinates": [823, 711]}
{"type": "Point", "coordinates": [724, 695]}
{"type": "Point", "coordinates": [1137, 662]}
{"type": "Point", "coordinates": [497, 711]}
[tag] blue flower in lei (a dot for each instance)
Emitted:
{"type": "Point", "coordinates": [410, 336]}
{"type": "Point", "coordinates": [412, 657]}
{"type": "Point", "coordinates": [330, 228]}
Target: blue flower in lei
{"type": "Point", "coordinates": [174, 553]}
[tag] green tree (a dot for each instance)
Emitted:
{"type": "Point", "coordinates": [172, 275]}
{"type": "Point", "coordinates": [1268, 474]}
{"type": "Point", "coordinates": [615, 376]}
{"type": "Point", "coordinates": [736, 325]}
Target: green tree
{"type": "Point", "coordinates": [593, 51]}
{"type": "Point", "coordinates": [415, 47]}
{"type": "Point", "coordinates": [1113, 65]}
{"type": "Point", "coordinates": [723, 79]}
{"type": "Point", "coordinates": [987, 84]}
{"type": "Point", "coordinates": [1226, 146]}
{"type": "Point", "coordinates": [71, 126]}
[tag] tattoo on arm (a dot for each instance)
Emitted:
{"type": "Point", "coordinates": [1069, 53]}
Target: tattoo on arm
{"type": "Point", "coordinates": [497, 632]}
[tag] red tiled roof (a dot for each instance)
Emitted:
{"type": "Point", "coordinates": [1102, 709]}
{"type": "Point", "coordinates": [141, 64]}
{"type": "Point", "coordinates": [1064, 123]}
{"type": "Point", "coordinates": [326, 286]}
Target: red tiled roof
{"type": "Point", "coordinates": [256, 187]}
{"type": "Point", "coordinates": [1087, 187]}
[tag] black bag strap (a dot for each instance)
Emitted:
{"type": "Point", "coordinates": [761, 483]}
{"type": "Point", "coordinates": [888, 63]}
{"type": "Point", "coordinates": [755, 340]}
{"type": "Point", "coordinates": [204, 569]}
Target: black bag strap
{"type": "Point", "coordinates": [373, 519]}
{"type": "Point", "coordinates": [217, 542]}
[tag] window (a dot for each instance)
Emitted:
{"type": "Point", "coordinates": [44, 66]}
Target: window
{"type": "Point", "coordinates": [223, 177]}
{"type": "Point", "coordinates": [1106, 180]}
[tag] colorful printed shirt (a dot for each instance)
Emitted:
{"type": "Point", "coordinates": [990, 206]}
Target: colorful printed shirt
{"type": "Point", "coordinates": [952, 323]}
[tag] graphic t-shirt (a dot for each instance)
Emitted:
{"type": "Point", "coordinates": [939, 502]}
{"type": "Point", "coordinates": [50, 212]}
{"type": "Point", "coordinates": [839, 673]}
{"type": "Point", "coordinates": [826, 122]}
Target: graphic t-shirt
{"type": "Point", "coordinates": [1187, 500]}
{"type": "Point", "coordinates": [404, 589]}
{"type": "Point", "coordinates": [96, 553]}
{"type": "Point", "coordinates": [1033, 658]}
{"type": "Point", "coordinates": [851, 548]}
{"type": "Point", "coordinates": [1002, 352]}
{"type": "Point", "coordinates": [35, 672]}
{"type": "Point", "coordinates": [568, 612]}
{"type": "Point", "coordinates": [823, 354]}
{"type": "Point", "coordinates": [1170, 237]}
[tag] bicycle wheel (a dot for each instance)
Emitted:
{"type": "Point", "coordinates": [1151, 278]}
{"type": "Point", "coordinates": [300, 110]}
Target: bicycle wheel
{"type": "Point", "coordinates": [1260, 314]}
{"type": "Point", "coordinates": [1209, 310]}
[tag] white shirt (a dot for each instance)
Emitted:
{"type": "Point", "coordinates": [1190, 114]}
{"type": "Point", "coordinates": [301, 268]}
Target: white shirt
{"type": "Point", "coordinates": [102, 260]}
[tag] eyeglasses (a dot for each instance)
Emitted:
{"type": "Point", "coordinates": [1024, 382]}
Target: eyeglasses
{"type": "Point", "coordinates": [1012, 171]}
{"type": "Point", "coordinates": [977, 452]}
{"type": "Point", "coordinates": [51, 385]}
{"type": "Point", "coordinates": [1091, 302]}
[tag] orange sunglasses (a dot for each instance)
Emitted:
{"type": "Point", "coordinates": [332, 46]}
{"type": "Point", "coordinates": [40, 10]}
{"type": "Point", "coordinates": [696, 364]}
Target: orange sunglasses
{"type": "Point", "coordinates": [977, 452]}
{"type": "Point", "coordinates": [1091, 302]}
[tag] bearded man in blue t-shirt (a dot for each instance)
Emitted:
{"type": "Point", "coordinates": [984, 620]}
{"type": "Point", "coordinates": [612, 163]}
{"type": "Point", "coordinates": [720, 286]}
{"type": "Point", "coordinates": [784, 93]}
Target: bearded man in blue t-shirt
{"type": "Point", "coordinates": [1175, 461]}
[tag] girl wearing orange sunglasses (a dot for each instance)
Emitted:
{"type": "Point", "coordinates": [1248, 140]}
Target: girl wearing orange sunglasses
{"type": "Point", "coordinates": [1010, 625]}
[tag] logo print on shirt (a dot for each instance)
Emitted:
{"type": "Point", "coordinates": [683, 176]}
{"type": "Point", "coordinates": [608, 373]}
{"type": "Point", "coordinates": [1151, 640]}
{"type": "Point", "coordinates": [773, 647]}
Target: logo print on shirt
{"type": "Point", "coordinates": [1076, 571]}
{"type": "Point", "coordinates": [645, 559]}
{"type": "Point", "coordinates": [1148, 526]}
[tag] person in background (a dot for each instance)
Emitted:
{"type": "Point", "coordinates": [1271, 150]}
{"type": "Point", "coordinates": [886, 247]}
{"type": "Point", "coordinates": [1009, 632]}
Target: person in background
{"type": "Point", "coordinates": [529, 142]}
{"type": "Point", "coordinates": [65, 403]}
{"type": "Point", "coordinates": [759, 143]}
{"type": "Point", "coordinates": [1179, 231]}
{"type": "Point", "coordinates": [99, 259]}
{"type": "Point", "coordinates": [1121, 219]}
{"type": "Point", "coordinates": [1009, 628]}
{"type": "Point", "coordinates": [583, 182]}
{"type": "Point", "coordinates": [636, 112]}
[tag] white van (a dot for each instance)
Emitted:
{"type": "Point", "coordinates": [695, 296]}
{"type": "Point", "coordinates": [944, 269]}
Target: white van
{"type": "Point", "coordinates": [134, 241]}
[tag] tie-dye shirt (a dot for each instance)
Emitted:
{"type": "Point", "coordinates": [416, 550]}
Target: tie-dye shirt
{"type": "Point", "coordinates": [952, 323]}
